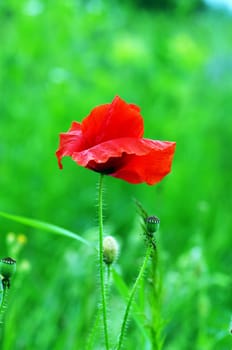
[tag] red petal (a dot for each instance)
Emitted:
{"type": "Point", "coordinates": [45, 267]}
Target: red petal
{"type": "Point", "coordinates": [69, 142]}
{"type": "Point", "coordinates": [133, 160]}
{"type": "Point", "coordinates": [102, 152]}
{"type": "Point", "coordinates": [111, 121]}
{"type": "Point", "coordinates": [150, 168]}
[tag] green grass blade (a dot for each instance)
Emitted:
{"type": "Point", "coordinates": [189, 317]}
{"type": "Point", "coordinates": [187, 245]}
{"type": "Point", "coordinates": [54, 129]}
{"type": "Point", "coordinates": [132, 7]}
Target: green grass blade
{"type": "Point", "coordinates": [41, 225]}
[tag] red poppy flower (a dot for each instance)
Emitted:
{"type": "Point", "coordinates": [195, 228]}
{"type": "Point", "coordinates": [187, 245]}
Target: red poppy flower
{"type": "Point", "coordinates": [109, 141]}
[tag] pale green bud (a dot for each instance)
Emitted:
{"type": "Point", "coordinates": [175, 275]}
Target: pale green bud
{"type": "Point", "coordinates": [110, 250]}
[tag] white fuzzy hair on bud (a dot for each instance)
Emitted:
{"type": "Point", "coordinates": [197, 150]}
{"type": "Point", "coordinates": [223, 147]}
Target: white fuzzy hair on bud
{"type": "Point", "coordinates": [110, 250]}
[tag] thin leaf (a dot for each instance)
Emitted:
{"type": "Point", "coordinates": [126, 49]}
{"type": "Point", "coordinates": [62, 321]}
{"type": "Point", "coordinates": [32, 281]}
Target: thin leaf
{"type": "Point", "coordinates": [44, 226]}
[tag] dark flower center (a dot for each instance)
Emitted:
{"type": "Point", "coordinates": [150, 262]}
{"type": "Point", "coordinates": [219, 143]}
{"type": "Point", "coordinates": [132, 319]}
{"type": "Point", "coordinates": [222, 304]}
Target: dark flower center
{"type": "Point", "coordinates": [111, 166]}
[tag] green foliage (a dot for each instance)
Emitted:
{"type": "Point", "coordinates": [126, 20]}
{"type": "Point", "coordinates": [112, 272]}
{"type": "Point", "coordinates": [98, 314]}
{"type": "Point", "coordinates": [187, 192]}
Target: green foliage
{"type": "Point", "coordinates": [58, 59]}
{"type": "Point", "coordinates": [44, 226]}
{"type": "Point", "coordinates": [176, 6]}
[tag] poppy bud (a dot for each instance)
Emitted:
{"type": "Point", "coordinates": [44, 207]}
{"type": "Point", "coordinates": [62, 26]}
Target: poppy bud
{"type": "Point", "coordinates": [110, 250]}
{"type": "Point", "coordinates": [7, 267]}
{"type": "Point", "coordinates": [152, 224]}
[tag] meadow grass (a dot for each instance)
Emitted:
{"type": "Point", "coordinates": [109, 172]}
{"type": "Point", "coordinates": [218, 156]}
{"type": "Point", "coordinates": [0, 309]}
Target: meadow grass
{"type": "Point", "coordinates": [57, 61]}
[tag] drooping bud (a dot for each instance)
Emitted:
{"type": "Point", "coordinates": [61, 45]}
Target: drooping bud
{"type": "Point", "coordinates": [7, 267]}
{"type": "Point", "coordinates": [110, 250]}
{"type": "Point", "coordinates": [152, 224]}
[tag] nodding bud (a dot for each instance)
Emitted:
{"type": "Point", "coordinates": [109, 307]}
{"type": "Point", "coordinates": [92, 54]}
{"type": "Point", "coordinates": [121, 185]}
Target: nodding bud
{"type": "Point", "coordinates": [7, 267]}
{"type": "Point", "coordinates": [110, 250]}
{"type": "Point", "coordinates": [152, 224]}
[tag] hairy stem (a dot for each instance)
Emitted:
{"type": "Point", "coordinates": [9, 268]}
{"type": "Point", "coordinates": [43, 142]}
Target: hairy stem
{"type": "Point", "coordinates": [2, 301]}
{"type": "Point", "coordinates": [3, 298]}
{"type": "Point", "coordinates": [102, 284]}
{"type": "Point", "coordinates": [132, 293]}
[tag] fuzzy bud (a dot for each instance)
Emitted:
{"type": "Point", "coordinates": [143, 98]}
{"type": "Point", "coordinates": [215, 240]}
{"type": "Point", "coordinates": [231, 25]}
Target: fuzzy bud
{"type": "Point", "coordinates": [152, 224]}
{"type": "Point", "coordinates": [7, 267]}
{"type": "Point", "coordinates": [110, 250]}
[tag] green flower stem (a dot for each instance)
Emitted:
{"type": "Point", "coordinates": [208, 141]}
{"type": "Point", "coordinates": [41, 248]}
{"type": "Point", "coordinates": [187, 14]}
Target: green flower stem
{"type": "Point", "coordinates": [132, 293]}
{"type": "Point", "coordinates": [102, 284]}
{"type": "Point", "coordinates": [108, 273]}
{"type": "Point", "coordinates": [93, 333]}
{"type": "Point", "coordinates": [2, 301]}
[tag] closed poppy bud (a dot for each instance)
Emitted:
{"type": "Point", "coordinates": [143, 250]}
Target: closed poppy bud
{"type": "Point", "coordinates": [110, 250]}
{"type": "Point", "coordinates": [7, 267]}
{"type": "Point", "coordinates": [152, 224]}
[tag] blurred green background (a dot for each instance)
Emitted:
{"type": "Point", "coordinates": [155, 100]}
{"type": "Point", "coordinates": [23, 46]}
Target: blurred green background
{"type": "Point", "coordinates": [59, 59]}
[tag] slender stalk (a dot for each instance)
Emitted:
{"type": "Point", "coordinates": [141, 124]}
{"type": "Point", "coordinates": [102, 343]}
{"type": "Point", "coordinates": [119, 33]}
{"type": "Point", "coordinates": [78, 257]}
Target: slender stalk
{"type": "Point", "coordinates": [101, 267]}
{"type": "Point", "coordinates": [3, 301]}
{"type": "Point", "coordinates": [108, 273]}
{"type": "Point", "coordinates": [93, 333]}
{"type": "Point", "coordinates": [126, 315]}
